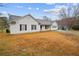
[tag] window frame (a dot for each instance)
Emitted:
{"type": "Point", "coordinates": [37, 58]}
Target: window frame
{"type": "Point", "coordinates": [23, 27]}
{"type": "Point", "coordinates": [20, 27]}
{"type": "Point", "coordinates": [33, 27]}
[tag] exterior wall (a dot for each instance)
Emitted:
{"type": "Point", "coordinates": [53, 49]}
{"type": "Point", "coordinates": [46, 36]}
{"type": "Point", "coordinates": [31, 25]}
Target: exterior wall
{"type": "Point", "coordinates": [54, 26]}
{"type": "Point", "coordinates": [43, 28]}
{"type": "Point", "coordinates": [15, 28]}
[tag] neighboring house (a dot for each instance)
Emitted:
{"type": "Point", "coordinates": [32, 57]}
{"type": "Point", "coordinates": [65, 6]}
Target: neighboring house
{"type": "Point", "coordinates": [27, 23]}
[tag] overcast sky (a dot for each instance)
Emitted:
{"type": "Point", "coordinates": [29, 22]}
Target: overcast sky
{"type": "Point", "coordinates": [38, 10]}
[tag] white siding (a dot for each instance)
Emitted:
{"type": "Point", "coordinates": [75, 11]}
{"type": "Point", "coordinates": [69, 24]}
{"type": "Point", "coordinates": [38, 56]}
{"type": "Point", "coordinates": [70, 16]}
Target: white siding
{"type": "Point", "coordinates": [15, 29]}
{"type": "Point", "coordinates": [54, 26]}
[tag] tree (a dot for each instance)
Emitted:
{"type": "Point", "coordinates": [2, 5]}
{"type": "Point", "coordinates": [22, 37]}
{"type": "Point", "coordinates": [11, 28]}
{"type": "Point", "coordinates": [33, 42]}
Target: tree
{"type": "Point", "coordinates": [76, 14]}
{"type": "Point", "coordinates": [46, 18]}
{"type": "Point", "coordinates": [3, 23]}
{"type": "Point", "coordinates": [68, 12]}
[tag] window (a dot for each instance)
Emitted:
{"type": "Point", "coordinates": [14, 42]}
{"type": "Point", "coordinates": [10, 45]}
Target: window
{"type": "Point", "coordinates": [33, 27]}
{"type": "Point", "coordinates": [47, 26]}
{"type": "Point", "coordinates": [40, 26]}
{"type": "Point", "coordinates": [20, 27]}
{"type": "Point", "coordinates": [23, 27]}
{"type": "Point", "coordinates": [54, 26]}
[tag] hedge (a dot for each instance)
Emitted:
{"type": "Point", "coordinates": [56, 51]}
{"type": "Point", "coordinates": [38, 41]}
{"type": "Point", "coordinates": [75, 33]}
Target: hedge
{"type": "Point", "coordinates": [75, 27]}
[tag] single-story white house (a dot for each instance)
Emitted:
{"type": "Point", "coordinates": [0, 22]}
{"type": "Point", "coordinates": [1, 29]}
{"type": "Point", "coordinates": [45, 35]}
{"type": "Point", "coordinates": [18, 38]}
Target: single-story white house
{"type": "Point", "coordinates": [27, 23]}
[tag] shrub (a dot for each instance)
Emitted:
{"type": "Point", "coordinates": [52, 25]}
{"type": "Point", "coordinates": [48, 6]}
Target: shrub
{"type": "Point", "coordinates": [75, 27]}
{"type": "Point", "coordinates": [7, 31]}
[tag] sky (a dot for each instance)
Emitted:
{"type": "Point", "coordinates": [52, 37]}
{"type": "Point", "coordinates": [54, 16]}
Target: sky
{"type": "Point", "coordinates": [37, 10]}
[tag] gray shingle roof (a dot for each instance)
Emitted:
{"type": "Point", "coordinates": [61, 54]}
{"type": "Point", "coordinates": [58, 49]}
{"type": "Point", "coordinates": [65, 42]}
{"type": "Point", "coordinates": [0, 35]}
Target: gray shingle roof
{"type": "Point", "coordinates": [14, 17]}
{"type": "Point", "coordinates": [40, 21]}
{"type": "Point", "coordinates": [43, 22]}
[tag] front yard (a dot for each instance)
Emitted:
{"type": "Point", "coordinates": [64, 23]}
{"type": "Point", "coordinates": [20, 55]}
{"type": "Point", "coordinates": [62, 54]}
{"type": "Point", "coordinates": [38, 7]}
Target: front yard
{"type": "Point", "coordinates": [39, 44]}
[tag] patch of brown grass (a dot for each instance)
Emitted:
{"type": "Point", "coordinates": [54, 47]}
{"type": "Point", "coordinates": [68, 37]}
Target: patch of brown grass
{"type": "Point", "coordinates": [39, 44]}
